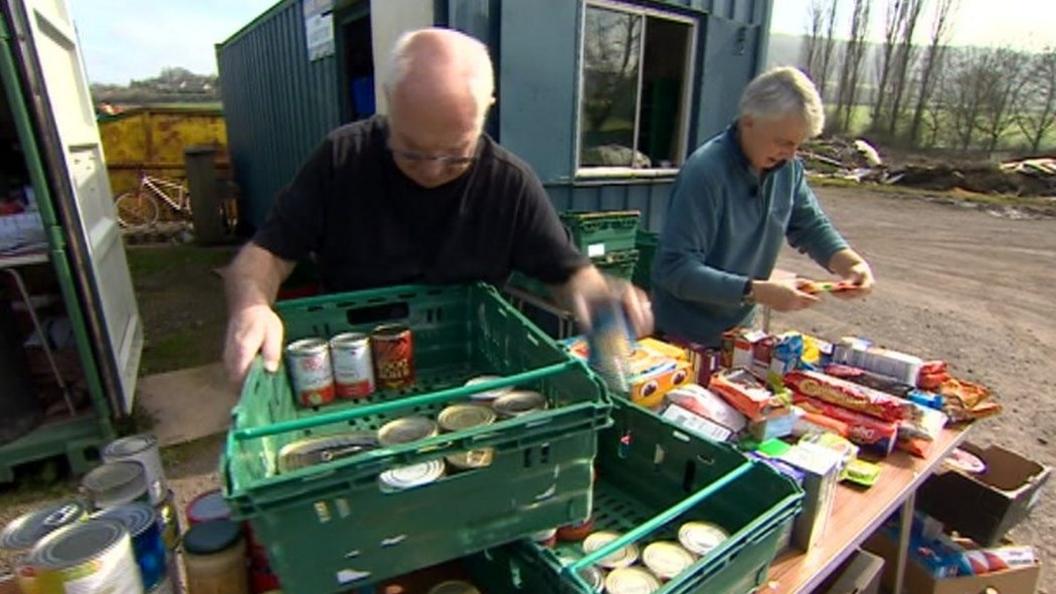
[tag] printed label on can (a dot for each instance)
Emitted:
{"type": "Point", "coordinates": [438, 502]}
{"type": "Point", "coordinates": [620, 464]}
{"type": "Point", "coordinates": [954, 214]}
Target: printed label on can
{"type": "Point", "coordinates": [312, 375]}
{"type": "Point", "coordinates": [353, 365]}
{"type": "Point", "coordinates": [393, 348]}
{"type": "Point", "coordinates": [114, 571]}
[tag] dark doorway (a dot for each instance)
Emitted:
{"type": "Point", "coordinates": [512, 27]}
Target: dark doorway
{"type": "Point", "coordinates": [357, 59]}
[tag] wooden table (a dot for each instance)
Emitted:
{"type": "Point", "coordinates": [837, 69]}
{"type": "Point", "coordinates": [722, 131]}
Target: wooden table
{"type": "Point", "coordinates": [857, 513]}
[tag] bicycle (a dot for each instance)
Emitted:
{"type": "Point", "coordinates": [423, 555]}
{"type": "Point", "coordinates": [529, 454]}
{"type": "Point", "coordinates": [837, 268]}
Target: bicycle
{"type": "Point", "coordinates": [139, 208]}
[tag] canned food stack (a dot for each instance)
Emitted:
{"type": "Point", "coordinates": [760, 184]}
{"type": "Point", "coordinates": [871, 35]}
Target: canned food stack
{"type": "Point", "coordinates": [460, 386]}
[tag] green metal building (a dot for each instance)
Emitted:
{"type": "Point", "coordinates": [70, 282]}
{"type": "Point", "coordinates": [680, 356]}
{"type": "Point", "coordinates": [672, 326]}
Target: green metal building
{"type": "Point", "coordinates": [603, 98]}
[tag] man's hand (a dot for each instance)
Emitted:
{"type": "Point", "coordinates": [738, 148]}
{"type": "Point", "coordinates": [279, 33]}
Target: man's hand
{"type": "Point", "coordinates": [781, 296]}
{"type": "Point", "coordinates": [253, 329]}
{"type": "Point", "coordinates": [854, 269]}
{"type": "Point", "coordinates": [589, 286]}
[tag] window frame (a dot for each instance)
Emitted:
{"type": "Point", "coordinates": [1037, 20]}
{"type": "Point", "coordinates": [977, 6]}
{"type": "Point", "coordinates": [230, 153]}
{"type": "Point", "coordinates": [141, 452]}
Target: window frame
{"type": "Point", "coordinates": [625, 172]}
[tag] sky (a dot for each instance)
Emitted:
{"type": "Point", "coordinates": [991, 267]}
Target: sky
{"type": "Point", "coordinates": [123, 40]}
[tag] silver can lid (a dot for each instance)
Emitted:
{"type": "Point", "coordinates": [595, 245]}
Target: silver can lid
{"type": "Point", "coordinates": [414, 475]}
{"type": "Point", "coordinates": [390, 330]}
{"type": "Point", "coordinates": [76, 544]}
{"type": "Point", "coordinates": [307, 346]}
{"type": "Point", "coordinates": [700, 538]}
{"type": "Point", "coordinates": [519, 402]}
{"type": "Point", "coordinates": [454, 587]}
{"type": "Point", "coordinates": [130, 446]}
{"type": "Point", "coordinates": [348, 339]}
{"type": "Point", "coordinates": [622, 557]}
{"type": "Point", "coordinates": [667, 559]}
{"type": "Point", "coordinates": [464, 416]}
{"type": "Point", "coordinates": [406, 430]}
{"type": "Point", "coordinates": [490, 394]}
{"type": "Point", "coordinates": [114, 483]}
{"type": "Point", "coordinates": [319, 450]}
{"type": "Point", "coordinates": [594, 576]}
{"type": "Point", "coordinates": [135, 517]}
{"type": "Point", "coordinates": [26, 530]}
{"type": "Point", "coordinates": [480, 458]}
{"type": "Point", "coordinates": [631, 580]}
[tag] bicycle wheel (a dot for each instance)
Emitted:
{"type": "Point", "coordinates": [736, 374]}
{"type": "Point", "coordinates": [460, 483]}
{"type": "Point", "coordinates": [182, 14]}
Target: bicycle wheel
{"type": "Point", "coordinates": [136, 210]}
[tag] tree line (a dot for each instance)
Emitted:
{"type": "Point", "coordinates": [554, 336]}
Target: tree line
{"type": "Point", "coordinates": [930, 94]}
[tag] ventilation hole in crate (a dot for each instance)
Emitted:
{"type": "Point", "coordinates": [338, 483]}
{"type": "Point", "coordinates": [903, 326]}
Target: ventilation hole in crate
{"type": "Point", "coordinates": [348, 576]}
{"type": "Point", "coordinates": [515, 575]}
{"type": "Point", "coordinates": [528, 458]}
{"type": "Point", "coordinates": [393, 540]}
{"type": "Point", "coordinates": [352, 554]}
{"type": "Point", "coordinates": [343, 508]}
{"type": "Point", "coordinates": [688, 478]}
{"type": "Point", "coordinates": [658, 457]}
{"type": "Point", "coordinates": [624, 449]}
{"type": "Point", "coordinates": [439, 315]}
{"type": "Point", "coordinates": [544, 454]}
{"type": "Point", "coordinates": [705, 460]}
{"type": "Point", "coordinates": [322, 512]}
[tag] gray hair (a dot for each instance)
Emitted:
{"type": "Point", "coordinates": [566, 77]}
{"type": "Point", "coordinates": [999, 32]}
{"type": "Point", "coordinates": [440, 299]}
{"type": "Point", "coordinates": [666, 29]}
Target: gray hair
{"type": "Point", "coordinates": [783, 92]}
{"type": "Point", "coordinates": [476, 62]}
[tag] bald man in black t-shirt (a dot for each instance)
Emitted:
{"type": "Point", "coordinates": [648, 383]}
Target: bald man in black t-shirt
{"type": "Point", "coordinates": [420, 196]}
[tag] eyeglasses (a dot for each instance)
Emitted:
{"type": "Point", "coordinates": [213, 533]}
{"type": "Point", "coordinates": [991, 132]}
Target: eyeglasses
{"type": "Point", "coordinates": [445, 160]}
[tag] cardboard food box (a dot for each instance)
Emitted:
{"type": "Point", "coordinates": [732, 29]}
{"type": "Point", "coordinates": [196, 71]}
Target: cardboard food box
{"type": "Point", "coordinates": [858, 575]}
{"type": "Point", "coordinates": [821, 469]}
{"type": "Point", "coordinates": [1017, 580]}
{"type": "Point", "coordinates": [985, 506]}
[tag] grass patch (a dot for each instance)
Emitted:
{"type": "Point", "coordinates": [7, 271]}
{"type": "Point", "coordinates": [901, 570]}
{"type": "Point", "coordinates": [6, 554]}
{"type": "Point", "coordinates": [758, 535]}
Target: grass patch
{"type": "Point", "coordinates": [147, 261]}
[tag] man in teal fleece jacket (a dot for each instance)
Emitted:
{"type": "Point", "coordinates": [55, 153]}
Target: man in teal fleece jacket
{"type": "Point", "coordinates": [736, 198]}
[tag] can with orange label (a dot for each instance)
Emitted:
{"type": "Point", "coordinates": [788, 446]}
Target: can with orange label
{"type": "Point", "coordinates": [393, 348]}
{"type": "Point", "coordinates": [313, 378]}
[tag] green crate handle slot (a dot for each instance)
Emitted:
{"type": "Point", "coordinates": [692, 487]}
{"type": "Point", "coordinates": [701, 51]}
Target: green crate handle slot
{"type": "Point", "coordinates": [421, 400]}
{"type": "Point", "coordinates": [658, 520]}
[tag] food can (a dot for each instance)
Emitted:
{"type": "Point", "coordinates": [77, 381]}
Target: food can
{"type": "Point", "coordinates": [353, 365]}
{"type": "Point", "coordinates": [310, 371]}
{"type": "Point", "coordinates": [471, 460]}
{"type": "Point", "coordinates": [92, 556]}
{"type": "Point", "coordinates": [165, 586]}
{"type": "Point", "coordinates": [576, 532]}
{"type": "Point", "coordinates": [667, 559]}
{"type": "Point", "coordinates": [464, 416]}
{"type": "Point", "coordinates": [319, 450]}
{"type": "Point", "coordinates": [393, 349]}
{"type": "Point", "coordinates": [143, 526]}
{"type": "Point", "coordinates": [116, 483]}
{"type": "Point", "coordinates": [594, 576]}
{"type": "Point", "coordinates": [631, 580]}
{"type": "Point", "coordinates": [488, 395]}
{"type": "Point", "coordinates": [207, 507]}
{"type": "Point", "coordinates": [414, 475]}
{"type": "Point", "coordinates": [622, 557]}
{"type": "Point", "coordinates": [519, 402]}
{"type": "Point", "coordinates": [454, 587]}
{"type": "Point", "coordinates": [142, 448]}
{"type": "Point", "coordinates": [20, 534]}
{"type": "Point", "coordinates": [406, 430]}
{"type": "Point", "coordinates": [169, 518]}
{"type": "Point", "coordinates": [546, 538]}
{"type": "Point", "coordinates": [700, 538]}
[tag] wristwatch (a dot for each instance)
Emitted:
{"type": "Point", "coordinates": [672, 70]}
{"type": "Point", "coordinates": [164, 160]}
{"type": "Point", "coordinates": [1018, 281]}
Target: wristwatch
{"type": "Point", "coordinates": [748, 296]}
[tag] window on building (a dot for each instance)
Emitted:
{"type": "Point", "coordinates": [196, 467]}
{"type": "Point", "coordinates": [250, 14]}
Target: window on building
{"type": "Point", "coordinates": [635, 68]}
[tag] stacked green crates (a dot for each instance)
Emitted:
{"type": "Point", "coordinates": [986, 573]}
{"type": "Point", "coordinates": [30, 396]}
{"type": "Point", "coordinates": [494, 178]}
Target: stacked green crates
{"type": "Point", "coordinates": [646, 243]}
{"type": "Point", "coordinates": [330, 527]}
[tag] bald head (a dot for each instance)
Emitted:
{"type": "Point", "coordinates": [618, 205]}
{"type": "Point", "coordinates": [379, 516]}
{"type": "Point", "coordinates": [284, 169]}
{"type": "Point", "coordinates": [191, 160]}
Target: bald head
{"type": "Point", "coordinates": [441, 69]}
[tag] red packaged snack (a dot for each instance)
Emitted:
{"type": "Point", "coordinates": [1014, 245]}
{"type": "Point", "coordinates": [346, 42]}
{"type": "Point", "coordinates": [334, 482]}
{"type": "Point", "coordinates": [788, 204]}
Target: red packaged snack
{"type": "Point", "coordinates": [745, 392]}
{"type": "Point", "coordinates": [849, 395]}
{"type": "Point", "coordinates": [872, 434]}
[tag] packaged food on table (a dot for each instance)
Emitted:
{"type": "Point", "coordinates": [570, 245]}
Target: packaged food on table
{"type": "Point", "coordinates": [745, 393]}
{"type": "Point", "coordinates": [869, 379]}
{"type": "Point", "coordinates": [707, 404]}
{"type": "Point", "coordinates": [812, 422]}
{"type": "Point", "coordinates": [851, 396]}
{"type": "Point", "coordinates": [872, 434]}
{"type": "Point", "coordinates": [862, 353]}
{"type": "Point", "coordinates": [777, 423]}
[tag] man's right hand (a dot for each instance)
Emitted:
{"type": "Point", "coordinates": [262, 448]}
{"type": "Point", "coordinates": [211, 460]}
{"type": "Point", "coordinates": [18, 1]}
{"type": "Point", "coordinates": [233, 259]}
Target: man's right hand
{"type": "Point", "coordinates": [251, 330]}
{"type": "Point", "coordinates": [781, 296]}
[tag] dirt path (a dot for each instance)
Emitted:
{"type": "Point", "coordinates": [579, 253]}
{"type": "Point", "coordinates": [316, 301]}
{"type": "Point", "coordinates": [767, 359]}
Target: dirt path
{"type": "Point", "coordinates": [962, 285]}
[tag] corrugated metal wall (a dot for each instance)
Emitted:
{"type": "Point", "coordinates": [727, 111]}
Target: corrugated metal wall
{"type": "Point", "coordinates": [278, 105]}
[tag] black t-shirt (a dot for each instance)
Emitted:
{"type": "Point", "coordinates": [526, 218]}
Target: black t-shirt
{"type": "Point", "coordinates": [368, 225]}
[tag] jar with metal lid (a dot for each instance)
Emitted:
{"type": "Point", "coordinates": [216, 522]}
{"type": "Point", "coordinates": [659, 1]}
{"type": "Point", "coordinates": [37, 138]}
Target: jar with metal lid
{"type": "Point", "coordinates": [214, 556]}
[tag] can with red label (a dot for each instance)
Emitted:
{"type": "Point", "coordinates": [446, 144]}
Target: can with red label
{"type": "Point", "coordinates": [310, 371]}
{"type": "Point", "coordinates": [353, 365]}
{"type": "Point", "coordinates": [393, 348]}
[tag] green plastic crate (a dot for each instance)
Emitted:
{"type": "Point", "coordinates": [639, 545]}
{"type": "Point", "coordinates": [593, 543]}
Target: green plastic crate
{"type": "Point", "coordinates": [646, 243]}
{"type": "Point", "coordinates": [329, 527]}
{"type": "Point", "coordinates": [616, 264]}
{"type": "Point", "coordinates": [600, 233]}
{"type": "Point", "coordinates": [652, 478]}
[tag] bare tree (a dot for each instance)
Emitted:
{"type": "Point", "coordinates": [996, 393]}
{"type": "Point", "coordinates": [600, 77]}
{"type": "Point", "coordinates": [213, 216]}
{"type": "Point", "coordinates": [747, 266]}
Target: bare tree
{"type": "Point", "coordinates": [827, 48]}
{"type": "Point", "coordinates": [1002, 86]}
{"type": "Point", "coordinates": [812, 47]}
{"type": "Point", "coordinates": [905, 56]}
{"type": "Point", "coordinates": [934, 116]}
{"type": "Point", "coordinates": [894, 17]}
{"type": "Point", "coordinates": [941, 26]}
{"type": "Point", "coordinates": [852, 64]}
{"type": "Point", "coordinates": [963, 95]}
{"type": "Point", "coordinates": [1037, 113]}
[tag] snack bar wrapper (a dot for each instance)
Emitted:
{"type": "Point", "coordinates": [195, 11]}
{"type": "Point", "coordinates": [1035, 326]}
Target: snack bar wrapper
{"type": "Point", "coordinates": [871, 434]}
{"type": "Point", "coordinates": [849, 395]}
{"type": "Point", "coordinates": [745, 393]}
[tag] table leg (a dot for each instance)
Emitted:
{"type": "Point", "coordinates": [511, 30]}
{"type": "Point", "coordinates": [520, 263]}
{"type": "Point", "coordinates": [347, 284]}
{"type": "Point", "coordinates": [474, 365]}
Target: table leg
{"type": "Point", "coordinates": [43, 337]}
{"type": "Point", "coordinates": [903, 540]}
